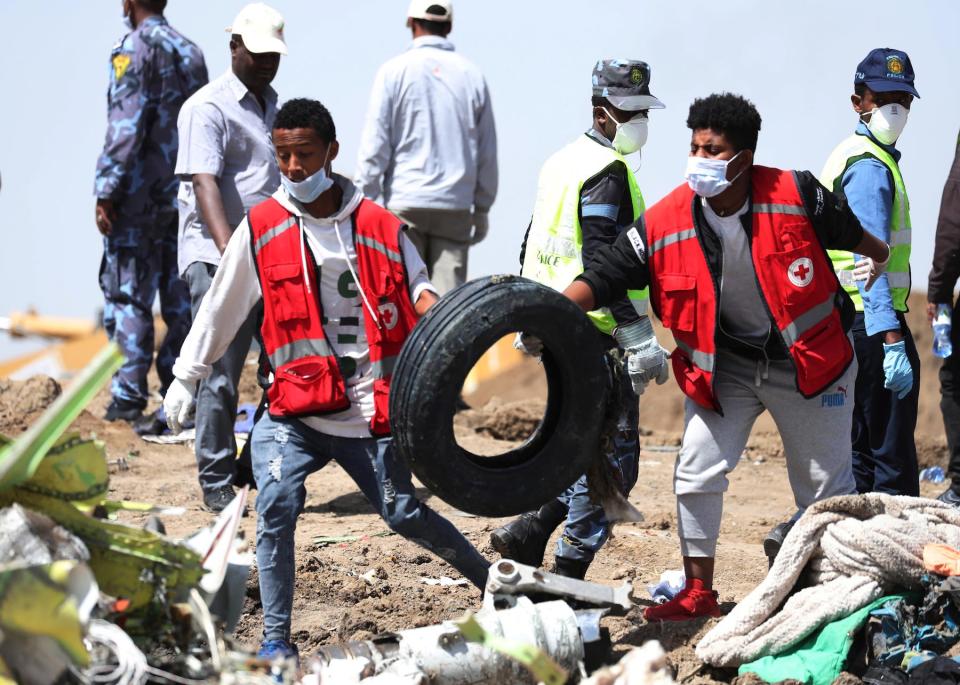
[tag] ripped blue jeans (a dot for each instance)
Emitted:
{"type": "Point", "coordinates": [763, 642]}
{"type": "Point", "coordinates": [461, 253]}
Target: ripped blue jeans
{"type": "Point", "coordinates": [284, 453]}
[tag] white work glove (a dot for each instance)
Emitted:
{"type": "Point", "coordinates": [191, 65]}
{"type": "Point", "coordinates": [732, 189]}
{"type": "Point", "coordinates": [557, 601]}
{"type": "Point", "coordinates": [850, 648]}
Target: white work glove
{"type": "Point", "coordinates": [646, 360]}
{"type": "Point", "coordinates": [481, 224]}
{"type": "Point", "coordinates": [870, 270]}
{"type": "Point", "coordinates": [178, 402]}
{"type": "Point", "coordinates": [528, 344]}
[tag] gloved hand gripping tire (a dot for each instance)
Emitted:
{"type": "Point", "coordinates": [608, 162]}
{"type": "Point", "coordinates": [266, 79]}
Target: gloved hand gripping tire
{"type": "Point", "coordinates": [646, 360]}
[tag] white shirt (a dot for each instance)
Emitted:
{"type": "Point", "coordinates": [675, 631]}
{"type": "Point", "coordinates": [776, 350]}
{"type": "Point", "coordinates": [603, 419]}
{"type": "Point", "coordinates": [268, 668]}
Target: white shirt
{"type": "Point", "coordinates": [429, 141]}
{"type": "Point", "coordinates": [743, 313]}
{"type": "Point", "coordinates": [236, 289]}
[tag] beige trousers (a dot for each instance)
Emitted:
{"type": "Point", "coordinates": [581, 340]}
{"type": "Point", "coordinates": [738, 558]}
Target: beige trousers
{"type": "Point", "coordinates": [442, 237]}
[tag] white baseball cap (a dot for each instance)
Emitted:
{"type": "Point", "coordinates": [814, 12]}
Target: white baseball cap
{"type": "Point", "coordinates": [431, 10]}
{"type": "Point", "coordinates": [261, 28]}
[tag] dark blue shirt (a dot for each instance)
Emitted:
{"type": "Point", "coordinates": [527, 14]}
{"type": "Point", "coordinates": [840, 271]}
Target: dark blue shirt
{"type": "Point", "coordinates": [869, 189]}
{"type": "Point", "coordinates": [153, 70]}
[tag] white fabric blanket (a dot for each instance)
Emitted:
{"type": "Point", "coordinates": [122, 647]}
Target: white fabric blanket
{"type": "Point", "coordinates": [846, 551]}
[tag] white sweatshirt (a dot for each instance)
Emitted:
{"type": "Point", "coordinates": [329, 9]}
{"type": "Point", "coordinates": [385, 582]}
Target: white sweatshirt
{"type": "Point", "coordinates": [236, 289]}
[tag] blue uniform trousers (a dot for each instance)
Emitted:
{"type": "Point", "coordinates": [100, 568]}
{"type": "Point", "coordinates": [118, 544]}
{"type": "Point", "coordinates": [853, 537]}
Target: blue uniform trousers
{"type": "Point", "coordinates": [884, 451]}
{"type": "Point", "coordinates": [587, 528]}
{"type": "Point", "coordinates": [131, 277]}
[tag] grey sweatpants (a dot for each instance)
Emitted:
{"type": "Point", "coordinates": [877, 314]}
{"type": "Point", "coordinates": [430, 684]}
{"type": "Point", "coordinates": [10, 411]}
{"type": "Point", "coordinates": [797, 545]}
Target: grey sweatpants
{"type": "Point", "coordinates": [815, 433]}
{"type": "Point", "coordinates": [442, 237]}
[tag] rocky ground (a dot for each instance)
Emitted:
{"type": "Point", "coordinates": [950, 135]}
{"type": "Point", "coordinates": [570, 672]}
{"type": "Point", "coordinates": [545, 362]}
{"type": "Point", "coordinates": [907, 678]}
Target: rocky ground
{"type": "Point", "coordinates": [334, 602]}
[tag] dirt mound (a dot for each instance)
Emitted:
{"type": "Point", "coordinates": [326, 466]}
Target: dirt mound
{"type": "Point", "coordinates": [22, 401]}
{"type": "Point", "coordinates": [513, 421]}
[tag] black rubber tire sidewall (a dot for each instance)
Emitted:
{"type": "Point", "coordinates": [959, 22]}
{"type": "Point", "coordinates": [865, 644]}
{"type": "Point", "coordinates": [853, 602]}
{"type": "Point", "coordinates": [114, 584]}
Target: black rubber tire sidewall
{"type": "Point", "coordinates": [429, 376]}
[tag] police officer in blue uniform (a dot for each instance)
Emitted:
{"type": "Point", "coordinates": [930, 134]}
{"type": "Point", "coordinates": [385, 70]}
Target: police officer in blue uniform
{"type": "Point", "coordinates": [153, 69]}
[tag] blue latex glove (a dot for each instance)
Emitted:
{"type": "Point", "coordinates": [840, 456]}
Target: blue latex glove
{"type": "Point", "coordinates": [896, 368]}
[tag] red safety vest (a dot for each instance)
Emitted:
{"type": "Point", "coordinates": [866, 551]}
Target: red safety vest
{"type": "Point", "coordinates": [307, 379]}
{"type": "Point", "coordinates": [795, 277]}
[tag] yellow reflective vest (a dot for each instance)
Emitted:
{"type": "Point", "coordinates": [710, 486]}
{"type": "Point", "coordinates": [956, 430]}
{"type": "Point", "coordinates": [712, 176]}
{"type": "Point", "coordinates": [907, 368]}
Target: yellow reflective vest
{"type": "Point", "coordinates": [852, 150]}
{"type": "Point", "coordinates": [554, 252]}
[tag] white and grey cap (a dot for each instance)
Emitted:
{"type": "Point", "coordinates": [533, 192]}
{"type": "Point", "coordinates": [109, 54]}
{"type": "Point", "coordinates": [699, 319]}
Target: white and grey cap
{"type": "Point", "coordinates": [625, 83]}
{"type": "Point", "coordinates": [431, 10]}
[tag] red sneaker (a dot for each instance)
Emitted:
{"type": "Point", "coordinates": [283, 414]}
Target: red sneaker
{"type": "Point", "coordinates": [693, 601]}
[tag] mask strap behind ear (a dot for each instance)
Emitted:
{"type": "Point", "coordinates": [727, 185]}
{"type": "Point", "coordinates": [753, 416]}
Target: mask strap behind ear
{"type": "Point", "coordinates": [612, 118]}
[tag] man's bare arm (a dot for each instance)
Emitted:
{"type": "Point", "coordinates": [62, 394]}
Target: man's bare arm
{"type": "Point", "coordinates": [872, 247]}
{"type": "Point", "coordinates": [210, 203]}
{"type": "Point", "coordinates": [426, 300]}
{"type": "Point", "coordinates": [582, 295]}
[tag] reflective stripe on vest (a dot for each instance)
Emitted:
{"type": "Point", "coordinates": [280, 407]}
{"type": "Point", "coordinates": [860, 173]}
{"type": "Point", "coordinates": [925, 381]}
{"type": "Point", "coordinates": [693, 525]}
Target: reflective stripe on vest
{"type": "Point", "coordinates": [704, 360]}
{"type": "Point", "coordinates": [381, 248]}
{"type": "Point", "coordinates": [660, 243]}
{"type": "Point", "coordinates": [308, 347]}
{"type": "Point", "coordinates": [810, 318]}
{"type": "Point", "coordinates": [766, 208]}
{"type": "Point", "coordinates": [555, 242]}
{"type": "Point", "coordinates": [383, 368]}
{"type": "Point", "coordinates": [851, 150]}
{"type": "Point", "coordinates": [273, 233]}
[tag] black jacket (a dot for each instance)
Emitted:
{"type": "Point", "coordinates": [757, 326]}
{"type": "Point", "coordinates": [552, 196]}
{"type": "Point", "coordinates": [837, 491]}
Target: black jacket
{"type": "Point", "coordinates": [618, 267]}
{"type": "Point", "coordinates": [606, 210]}
{"type": "Point", "coordinates": [946, 249]}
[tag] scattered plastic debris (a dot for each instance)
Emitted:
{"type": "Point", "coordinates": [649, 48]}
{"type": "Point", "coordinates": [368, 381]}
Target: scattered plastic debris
{"type": "Point", "coordinates": [646, 665]}
{"type": "Point", "coordinates": [69, 579]}
{"type": "Point", "coordinates": [527, 643]}
{"type": "Point", "coordinates": [671, 582]}
{"type": "Point", "coordinates": [326, 540]}
{"type": "Point", "coordinates": [933, 474]}
{"type": "Point", "coordinates": [444, 581]}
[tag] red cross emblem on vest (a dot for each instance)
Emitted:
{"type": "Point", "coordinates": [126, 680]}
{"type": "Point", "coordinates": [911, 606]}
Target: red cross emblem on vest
{"type": "Point", "coordinates": [800, 272]}
{"type": "Point", "coordinates": [389, 315]}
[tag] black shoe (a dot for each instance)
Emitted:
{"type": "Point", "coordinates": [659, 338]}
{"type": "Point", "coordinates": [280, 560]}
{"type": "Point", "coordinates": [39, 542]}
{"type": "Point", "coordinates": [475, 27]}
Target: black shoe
{"type": "Point", "coordinates": [150, 424]}
{"type": "Point", "coordinates": [525, 539]}
{"type": "Point", "coordinates": [570, 568]}
{"type": "Point", "coordinates": [217, 500]}
{"type": "Point", "coordinates": [774, 540]}
{"type": "Point", "coordinates": [123, 410]}
{"type": "Point", "coordinates": [948, 496]}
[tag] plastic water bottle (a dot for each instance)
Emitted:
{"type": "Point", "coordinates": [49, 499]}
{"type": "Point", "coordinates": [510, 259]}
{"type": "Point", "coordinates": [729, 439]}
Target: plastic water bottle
{"type": "Point", "coordinates": [942, 347]}
{"type": "Point", "coordinates": [933, 474]}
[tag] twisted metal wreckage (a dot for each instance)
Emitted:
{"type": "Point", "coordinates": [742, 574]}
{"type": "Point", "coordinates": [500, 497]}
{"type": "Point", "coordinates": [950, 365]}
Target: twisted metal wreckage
{"type": "Point", "coordinates": [87, 599]}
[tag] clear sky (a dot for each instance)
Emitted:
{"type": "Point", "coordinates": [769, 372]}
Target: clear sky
{"type": "Point", "coordinates": [794, 60]}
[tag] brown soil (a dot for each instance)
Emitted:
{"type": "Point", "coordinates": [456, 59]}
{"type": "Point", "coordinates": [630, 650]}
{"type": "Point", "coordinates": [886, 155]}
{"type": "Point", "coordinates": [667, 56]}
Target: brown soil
{"type": "Point", "coordinates": [332, 601]}
{"type": "Point", "coordinates": [22, 401]}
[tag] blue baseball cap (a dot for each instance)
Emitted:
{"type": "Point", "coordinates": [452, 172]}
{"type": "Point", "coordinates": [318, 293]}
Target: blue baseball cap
{"type": "Point", "coordinates": [885, 70]}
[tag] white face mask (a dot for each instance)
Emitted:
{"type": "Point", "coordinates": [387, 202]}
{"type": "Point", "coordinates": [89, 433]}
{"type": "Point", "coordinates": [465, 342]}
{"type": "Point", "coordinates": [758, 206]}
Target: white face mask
{"type": "Point", "coordinates": [708, 177]}
{"type": "Point", "coordinates": [310, 188]}
{"type": "Point", "coordinates": [631, 135]}
{"type": "Point", "coordinates": [887, 122]}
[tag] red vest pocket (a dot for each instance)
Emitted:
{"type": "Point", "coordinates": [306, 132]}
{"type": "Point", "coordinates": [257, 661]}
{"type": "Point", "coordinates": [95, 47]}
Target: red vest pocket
{"type": "Point", "coordinates": [693, 381]}
{"type": "Point", "coordinates": [821, 354]}
{"type": "Point", "coordinates": [313, 385]}
{"type": "Point", "coordinates": [794, 274]}
{"type": "Point", "coordinates": [678, 302]}
{"type": "Point", "coordinates": [380, 425]}
{"type": "Point", "coordinates": [288, 294]}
